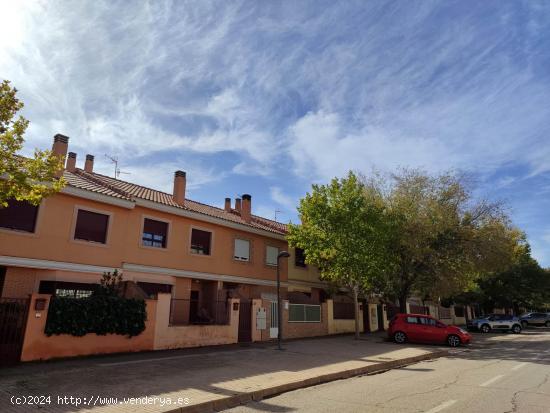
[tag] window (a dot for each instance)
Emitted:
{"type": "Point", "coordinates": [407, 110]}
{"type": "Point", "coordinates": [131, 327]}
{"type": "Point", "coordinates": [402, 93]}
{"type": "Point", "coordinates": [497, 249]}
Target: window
{"type": "Point", "coordinates": [271, 255]}
{"type": "Point", "coordinates": [91, 226]}
{"type": "Point", "coordinates": [242, 250]}
{"type": "Point", "coordinates": [412, 320]}
{"type": "Point", "coordinates": [304, 313]}
{"type": "Point", "coordinates": [427, 321]}
{"type": "Point", "coordinates": [200, 241]}
{"type": "Point", "coordinates": [155, 233]}
{"type": "Point", "coordinates": [2, 279]}
{"type": "Point", "coordinates": [19, 215]}
{"type": "Point", "coordinates": [299, 258]}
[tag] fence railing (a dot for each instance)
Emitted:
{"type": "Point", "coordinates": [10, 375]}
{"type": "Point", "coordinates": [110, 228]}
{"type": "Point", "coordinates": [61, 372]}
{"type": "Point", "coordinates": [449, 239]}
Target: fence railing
{"type": "Point", "coordinates": [419, 309]}
{"type": "Point", "coordinates": [304, 313]}
{"type": "Point", "coordinates": [343, 311]}
{"type": "Point", "coordinates": [444, 312]}
{"type": "Point", "coordinates": [198, 312]}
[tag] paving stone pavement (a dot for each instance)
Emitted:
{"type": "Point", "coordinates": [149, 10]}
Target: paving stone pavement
{"type": "Point", "coordinates": [171, 380]}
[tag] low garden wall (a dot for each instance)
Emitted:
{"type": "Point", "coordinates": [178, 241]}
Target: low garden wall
{"type": "Point", "coordinates": [38, 346]}
{"type": "Point", "coordinates": [340, 326]}
{"type": "Point", "coordinates": [171, 337]}
{"type": "Point", "coordinates": [297, 329]}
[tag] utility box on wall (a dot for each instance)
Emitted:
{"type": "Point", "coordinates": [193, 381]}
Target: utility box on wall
{"type": "Point", "coordinates": [261, 319]}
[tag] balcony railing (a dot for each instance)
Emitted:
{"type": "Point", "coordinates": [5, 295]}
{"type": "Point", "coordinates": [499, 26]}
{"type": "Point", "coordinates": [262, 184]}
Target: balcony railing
{"type": "Point", "coordinates": [199, 312]}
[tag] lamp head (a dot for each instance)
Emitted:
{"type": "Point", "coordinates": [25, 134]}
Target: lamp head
{"type": "Point", "coordinates": [283, 254]}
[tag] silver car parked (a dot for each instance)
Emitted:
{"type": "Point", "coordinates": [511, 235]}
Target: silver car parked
{"type": "Point", "coordinates": [535, 319]}
{"type": "Point", "coordinates": [495, 322]}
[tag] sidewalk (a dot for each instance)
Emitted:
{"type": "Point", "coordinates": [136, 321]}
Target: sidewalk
{"type": "Point", "coordinates": [203, 379]}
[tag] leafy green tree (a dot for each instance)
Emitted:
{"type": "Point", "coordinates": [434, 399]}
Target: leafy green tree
{"type": "Point", "coordinates": [441, 239]}
{"type": "Point", "coordinates": [342, 232]}
{"type": "Point", "coordinates": [524, 285]}
{"type": "Point", "coordinates": [23, 179]}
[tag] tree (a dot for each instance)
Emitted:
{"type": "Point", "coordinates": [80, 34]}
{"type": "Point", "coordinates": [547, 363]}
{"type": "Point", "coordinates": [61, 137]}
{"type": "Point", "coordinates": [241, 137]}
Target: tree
{"type": "Point", "coordinates": [23, 179]}
{"type": "Point", "coordinates": [524, 285]}
{"type": "Point", "coordinates": [441, 239]}
{"type": "Point", "coordinates": [342, 233]}
{"type": "Point", "coordinates": [110, 283]}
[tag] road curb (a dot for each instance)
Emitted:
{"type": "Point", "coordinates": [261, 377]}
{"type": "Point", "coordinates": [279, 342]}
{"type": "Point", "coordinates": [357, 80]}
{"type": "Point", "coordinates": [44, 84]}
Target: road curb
{"type": "Point", "coordinates": [256, 395]}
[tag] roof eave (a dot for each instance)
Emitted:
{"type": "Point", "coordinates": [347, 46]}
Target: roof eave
{"type": "Point", "coordinates": [206, 218]}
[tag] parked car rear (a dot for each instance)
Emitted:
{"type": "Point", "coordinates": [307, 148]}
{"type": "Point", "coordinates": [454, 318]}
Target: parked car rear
{"type": "Point", "coordinates": [421, 328]}
{"type": "Point", "coordinates": [535, 319]}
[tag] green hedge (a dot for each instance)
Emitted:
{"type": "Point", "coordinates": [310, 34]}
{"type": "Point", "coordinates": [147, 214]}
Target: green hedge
{"type": "Point", "coordinates": [96, 314]}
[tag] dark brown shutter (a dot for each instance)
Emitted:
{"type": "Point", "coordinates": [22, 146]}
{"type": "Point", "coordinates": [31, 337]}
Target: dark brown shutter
{"type": "Point", "coordinates": [91, 226]}
{"type": "Point", "coordinates": [202, 239]}
{"type": "Point", "coordinates": [19, 215]}
{"type": "Point", "coordinates": [151, 226]}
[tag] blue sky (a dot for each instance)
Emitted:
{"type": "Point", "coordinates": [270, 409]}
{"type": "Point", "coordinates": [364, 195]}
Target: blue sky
{"type": "Point", "coordinates": [267, 97]}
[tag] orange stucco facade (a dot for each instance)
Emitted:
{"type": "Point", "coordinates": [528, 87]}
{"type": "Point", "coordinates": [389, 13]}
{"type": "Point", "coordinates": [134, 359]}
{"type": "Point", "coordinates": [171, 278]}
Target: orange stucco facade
{"type": "Point", "coordinates": [199, 283]}
{"type": "Point", "coordinates": [53, 240]}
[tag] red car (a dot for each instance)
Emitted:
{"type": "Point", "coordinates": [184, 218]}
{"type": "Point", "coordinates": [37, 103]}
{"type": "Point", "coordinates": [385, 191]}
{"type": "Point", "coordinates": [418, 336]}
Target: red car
{"type": "Point", "coordinates": [421, 328]}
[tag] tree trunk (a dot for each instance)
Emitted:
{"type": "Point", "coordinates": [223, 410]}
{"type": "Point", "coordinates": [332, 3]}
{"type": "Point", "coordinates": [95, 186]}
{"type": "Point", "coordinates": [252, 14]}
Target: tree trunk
{"type": "Point", "coordinates": [403, 303]}
{"type": "Point", "coordinates": [356, 307]}
{"type": "Point", "coordinates": [516, 308]}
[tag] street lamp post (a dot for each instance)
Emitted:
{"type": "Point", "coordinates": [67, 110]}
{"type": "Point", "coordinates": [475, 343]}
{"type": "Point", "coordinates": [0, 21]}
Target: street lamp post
{"type": "Point", "coordinates": [282, 254]}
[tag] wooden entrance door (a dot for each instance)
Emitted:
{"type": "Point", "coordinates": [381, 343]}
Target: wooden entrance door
{"type": "Point", "coordinates": [245, 321]}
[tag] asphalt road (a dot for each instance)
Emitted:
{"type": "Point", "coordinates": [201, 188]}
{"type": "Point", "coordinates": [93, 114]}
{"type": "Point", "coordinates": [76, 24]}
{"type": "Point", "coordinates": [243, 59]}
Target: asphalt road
{"type": "Point", "coordinates": [497, 373]}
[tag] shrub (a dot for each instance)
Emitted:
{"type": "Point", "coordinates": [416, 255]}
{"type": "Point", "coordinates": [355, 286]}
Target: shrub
{"type": "Point", "coordinates": [100, 314]}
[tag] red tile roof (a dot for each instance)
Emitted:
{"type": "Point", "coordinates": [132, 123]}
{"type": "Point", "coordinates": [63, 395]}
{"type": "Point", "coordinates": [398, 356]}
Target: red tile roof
{"type": "Point", "coordinates": [116, 188]}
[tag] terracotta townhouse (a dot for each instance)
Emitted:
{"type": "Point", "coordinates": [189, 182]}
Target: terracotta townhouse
{"type": "Point", "coordinates": [208, 274]}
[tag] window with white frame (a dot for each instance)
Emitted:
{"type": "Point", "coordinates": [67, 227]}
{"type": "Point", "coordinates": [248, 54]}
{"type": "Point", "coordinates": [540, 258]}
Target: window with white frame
{"type": "Point", "coordinates": [271, 255]}
{"type": "Point", "coordinates": [242, 250]}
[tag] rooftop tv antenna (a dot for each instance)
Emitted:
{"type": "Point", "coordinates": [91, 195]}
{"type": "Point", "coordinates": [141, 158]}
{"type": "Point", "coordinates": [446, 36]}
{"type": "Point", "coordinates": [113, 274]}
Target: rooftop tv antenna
{"type": "Point", "coordinates": [277, 211]}
{"type": "Point", "coordinates": [114, 160]}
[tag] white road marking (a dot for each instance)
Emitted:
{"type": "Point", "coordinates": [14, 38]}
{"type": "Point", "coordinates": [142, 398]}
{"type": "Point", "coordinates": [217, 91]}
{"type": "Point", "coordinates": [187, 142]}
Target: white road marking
{"type": "Point", "coordinates": [491, 381]}
{"type": "Point", "coordinates": [519, 366]}
{"type": "Point", "coordinates": [442, 406]}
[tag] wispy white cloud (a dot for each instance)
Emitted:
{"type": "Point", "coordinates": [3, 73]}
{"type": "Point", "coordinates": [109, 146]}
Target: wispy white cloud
{"type": "Point", "coordinates": [247, 93]}
{"type": "Point", "coordinates": [278, 195]}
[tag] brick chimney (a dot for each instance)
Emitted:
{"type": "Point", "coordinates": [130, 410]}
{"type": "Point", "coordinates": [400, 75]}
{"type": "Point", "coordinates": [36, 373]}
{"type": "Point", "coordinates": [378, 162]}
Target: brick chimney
{"type": "Point", "coordinates": [246, 211]}
{"type": "Point", "coordinates": [238, 205]}
{"type": "Point", "coordinates": [71, 162]}
{"type": "Point", "coordinates": [89, 164]}
{"type": "Point", "coordinates": [59, 149]}
{"type": "Point", "coordinates": [227, 205]}
{"type": "Point", "coordinates": [180, 181]}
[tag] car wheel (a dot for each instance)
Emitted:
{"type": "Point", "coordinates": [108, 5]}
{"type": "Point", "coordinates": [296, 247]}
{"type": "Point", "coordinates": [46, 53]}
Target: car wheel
{"type": "Point", "coordinates": [485, 328]}
{"type": "Point", "coordinates": [516, 329]}
{"type": "Point", "coordinates": [453, 341]}
{"type": "Point", "coordinates": [399, 337]}
{"type": "Point", "coordinates": [524, 324]}
{"type": "Point", "coordinates": [547, 324]}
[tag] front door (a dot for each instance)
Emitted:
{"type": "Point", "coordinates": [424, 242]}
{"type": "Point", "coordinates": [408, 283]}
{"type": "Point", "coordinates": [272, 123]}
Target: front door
{"type": "Point", "coordinates": [13, 318]}
{"type": "Point", "coordinates": [245, 321]}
